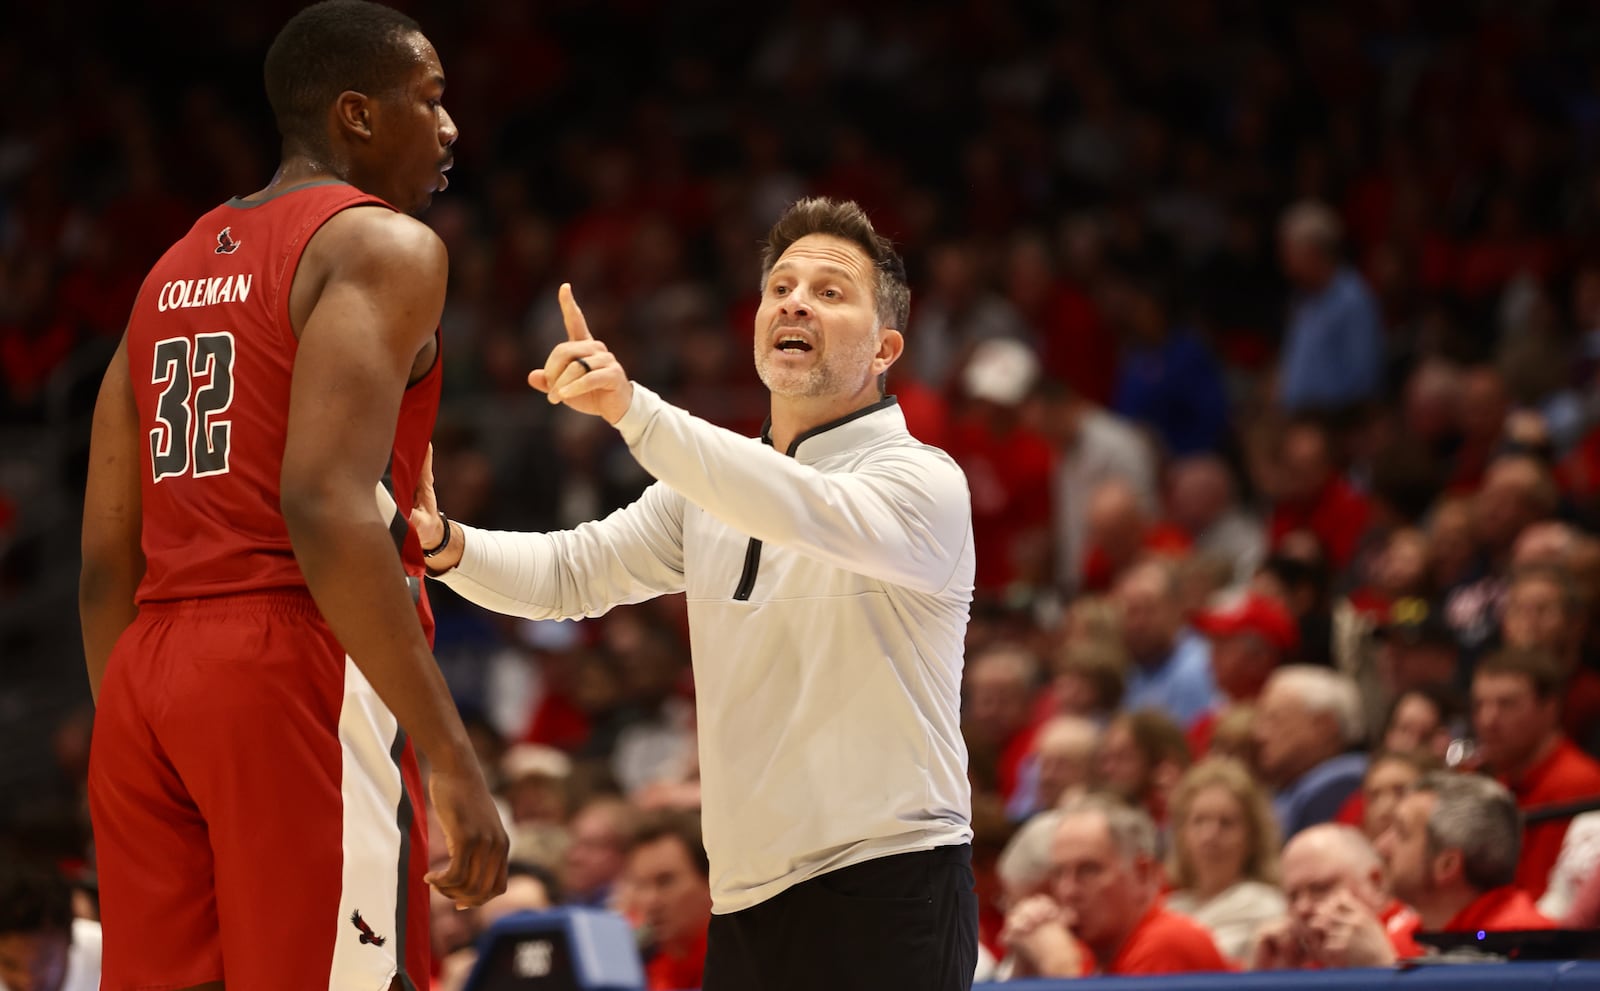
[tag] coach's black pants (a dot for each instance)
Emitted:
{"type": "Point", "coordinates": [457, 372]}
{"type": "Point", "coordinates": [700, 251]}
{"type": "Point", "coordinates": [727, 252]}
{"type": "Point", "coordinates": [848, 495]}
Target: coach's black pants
{"type": "Point", "coordinates": [907, 921]}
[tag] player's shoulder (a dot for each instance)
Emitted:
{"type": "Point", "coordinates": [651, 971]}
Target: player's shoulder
{"type": "Point", "coordinates": [370, 234]}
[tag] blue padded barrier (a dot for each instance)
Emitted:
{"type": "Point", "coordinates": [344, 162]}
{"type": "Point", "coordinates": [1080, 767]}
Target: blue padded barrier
{"type": "Point", "coordinates": [564, 949]}
{"type": "Point", "coordinates": [1563, 975]}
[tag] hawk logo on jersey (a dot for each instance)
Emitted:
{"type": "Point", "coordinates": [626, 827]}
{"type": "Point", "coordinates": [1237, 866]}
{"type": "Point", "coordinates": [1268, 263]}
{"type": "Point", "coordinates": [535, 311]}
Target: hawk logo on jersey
{"type": "Point", "coordinates": [367, 935]}
{"type": "Point", "coordinates": [226, 245]}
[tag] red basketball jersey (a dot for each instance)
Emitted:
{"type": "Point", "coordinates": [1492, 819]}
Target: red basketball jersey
{"type": "Point", "coordinates": [211, 352]}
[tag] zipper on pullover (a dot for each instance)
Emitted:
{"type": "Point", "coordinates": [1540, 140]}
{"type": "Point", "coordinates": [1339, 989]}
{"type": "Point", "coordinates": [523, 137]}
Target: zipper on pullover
{"type": "Point", "coordinates": [752, 564]}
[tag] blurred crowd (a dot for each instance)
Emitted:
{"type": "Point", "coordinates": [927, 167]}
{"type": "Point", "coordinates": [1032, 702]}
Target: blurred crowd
{"type": "Point", "coordinates": [1265, 333]}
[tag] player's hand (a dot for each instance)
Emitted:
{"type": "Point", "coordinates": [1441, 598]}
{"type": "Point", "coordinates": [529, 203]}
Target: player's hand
{"type": "Point", "coordinates": [581, 372]}
{"type": "Point", "coordinates": [473, 836]}
{"type": "Point", "coordinates": [1349, 934]}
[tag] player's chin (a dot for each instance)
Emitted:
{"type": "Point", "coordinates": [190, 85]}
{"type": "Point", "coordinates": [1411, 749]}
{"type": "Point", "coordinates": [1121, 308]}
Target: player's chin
{"type": "Point", "coordinates": [421, 203]}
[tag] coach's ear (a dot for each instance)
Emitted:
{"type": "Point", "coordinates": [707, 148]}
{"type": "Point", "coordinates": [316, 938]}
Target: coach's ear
{"type": "Point", "coordinates": [891, 345]}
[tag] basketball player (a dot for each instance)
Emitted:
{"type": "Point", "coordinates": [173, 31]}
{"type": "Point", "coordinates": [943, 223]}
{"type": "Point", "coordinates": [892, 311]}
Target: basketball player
{"type": "Point", "coordinates": [829, 571]}
{"type": "Point", "coordinates": [259, 655]}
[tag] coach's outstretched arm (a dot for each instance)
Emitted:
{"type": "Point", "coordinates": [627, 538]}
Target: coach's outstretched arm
{"type": "Point", "coordinates": [113, 560]}
{"type": "Point", "coordinates": [376, 310]}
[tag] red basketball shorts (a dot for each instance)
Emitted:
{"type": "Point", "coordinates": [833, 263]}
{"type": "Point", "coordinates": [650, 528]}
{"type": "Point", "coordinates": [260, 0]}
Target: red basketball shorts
{"type": "Point", "coordinates": [256, 808]}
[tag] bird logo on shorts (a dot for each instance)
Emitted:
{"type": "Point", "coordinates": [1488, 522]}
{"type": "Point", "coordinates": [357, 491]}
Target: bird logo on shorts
{"type": "Point", "coordinates": [367, 935]}
{"type": "Point", "coordinates": [226, 245]}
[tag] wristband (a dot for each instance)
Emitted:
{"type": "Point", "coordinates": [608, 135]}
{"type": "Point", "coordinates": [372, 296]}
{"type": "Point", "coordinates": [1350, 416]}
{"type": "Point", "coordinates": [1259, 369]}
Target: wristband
{"type": "Point", "coordinates": [443, 543]}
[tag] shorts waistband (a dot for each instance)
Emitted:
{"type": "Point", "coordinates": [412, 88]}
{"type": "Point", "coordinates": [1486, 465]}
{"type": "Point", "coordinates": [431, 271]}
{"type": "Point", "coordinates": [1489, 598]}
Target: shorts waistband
{"type": "Point", "coordinates": [281, 602]}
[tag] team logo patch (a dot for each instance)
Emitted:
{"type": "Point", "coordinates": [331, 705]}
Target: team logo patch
{"type": "Point", "coordinates": [367, 935]}
{"type": "Point", "coordinates": [226, 245]}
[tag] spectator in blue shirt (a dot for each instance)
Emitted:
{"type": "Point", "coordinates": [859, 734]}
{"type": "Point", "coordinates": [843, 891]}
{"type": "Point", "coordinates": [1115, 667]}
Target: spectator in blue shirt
{"type": "Point", "coordinates": [1168, 380]}
{"type": "Point", "coordinates": [1333, 350]}
{"type": "Point", "coordinates": [1308, 724]}
{"type": "Point", "coordinates": [1171, 669]}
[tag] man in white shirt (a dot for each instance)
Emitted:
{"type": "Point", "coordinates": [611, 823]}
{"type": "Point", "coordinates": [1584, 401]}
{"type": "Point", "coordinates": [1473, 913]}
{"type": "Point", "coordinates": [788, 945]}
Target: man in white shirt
{"type": "Point", "coordinates": [42, 947]}
{"type": "Point", "coordinates": [828, 570]}
{"type": "Point", "coordinates": [1096, 446]}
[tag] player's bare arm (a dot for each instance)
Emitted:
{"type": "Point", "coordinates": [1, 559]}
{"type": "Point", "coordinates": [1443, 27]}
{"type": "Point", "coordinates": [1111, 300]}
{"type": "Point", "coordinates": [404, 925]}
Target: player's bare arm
{"type": "Point", "coordinates": [113, 562]}
{"type": "Point", "coordinates": [367, 299]}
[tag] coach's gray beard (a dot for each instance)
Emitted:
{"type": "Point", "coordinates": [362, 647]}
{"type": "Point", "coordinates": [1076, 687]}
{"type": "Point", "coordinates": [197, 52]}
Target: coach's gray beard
{"type": "Point", "coordinates": [829, 376]}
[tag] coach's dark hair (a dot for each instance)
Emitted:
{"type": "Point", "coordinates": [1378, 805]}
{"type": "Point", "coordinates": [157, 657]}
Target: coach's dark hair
{"type": "Point", "coordinates": [846, 220]}
{"type": "Point", "coordinates": [33, 897]}
{"type": "Point", "coordinates": [328, 48]}
{"type": "Point", "coordinates": [684, 827]}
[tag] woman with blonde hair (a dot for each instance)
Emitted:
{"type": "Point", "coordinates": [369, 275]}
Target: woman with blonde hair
{"type": "Point", "coordinates": [1224, 853]}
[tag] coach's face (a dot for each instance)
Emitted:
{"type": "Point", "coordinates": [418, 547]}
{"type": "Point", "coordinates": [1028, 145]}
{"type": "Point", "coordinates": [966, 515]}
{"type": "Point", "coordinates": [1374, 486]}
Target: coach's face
{"type": "Point", "coordinates": [817, 333]}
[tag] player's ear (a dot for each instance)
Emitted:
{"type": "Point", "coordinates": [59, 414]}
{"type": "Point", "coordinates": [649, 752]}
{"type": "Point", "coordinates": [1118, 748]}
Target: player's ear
{"type": "Point", "coordinates": [353, 114]}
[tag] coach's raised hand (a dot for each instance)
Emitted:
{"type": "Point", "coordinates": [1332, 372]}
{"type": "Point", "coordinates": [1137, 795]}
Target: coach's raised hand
{"type": "Point", "coordinates": [580, 371]}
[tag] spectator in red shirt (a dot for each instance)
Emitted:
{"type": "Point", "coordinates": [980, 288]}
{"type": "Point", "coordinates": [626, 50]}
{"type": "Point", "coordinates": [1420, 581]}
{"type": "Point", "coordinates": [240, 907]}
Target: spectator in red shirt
{"type": "Point", "coordinates": [1121, 532]}
{"type": "Point", "coordinates": [1009, 467]}
{"type": "Point", "coordinates": [669, 890]}
{"type": "Point", "coordinates": [1142, 756]}
{"type": "Point", "coordinates": [1517, 492]}
{"type": "Point", "coordinates": [1452, 856]}
{"type": "Point", "coordinates": [1391, 774]}
{"type": "Point", "coordinates": [1423, 721]}
{"type": "Point", "coordinates": [997, 724]}
{"type": "Point", "coordinates": [1516, 714]}
{"type": "Point", "coordinates": [1060, 761]}
{"type": "Point", "coordinates": [1250, 637]}
{"type": "Point", "coordinates": [1313, 496]}
{"type": "Point", "coordinates": [1416, 737]}
{"type": "Point", "coordinates": [596, 853]}
{"type": "Point", "coordinates": [1482, 417]}
{"type": "Point", "coordinates": [1106, 916]}
{"type": "Point", "coordinates": [1544, 610]}
{"type": "Point", "coordinates": [1341, 913]}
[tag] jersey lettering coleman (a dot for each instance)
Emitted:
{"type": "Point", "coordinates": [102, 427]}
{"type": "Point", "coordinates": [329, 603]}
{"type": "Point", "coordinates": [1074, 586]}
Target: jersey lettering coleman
{"type": "Point", "coordinates": [211, 352]}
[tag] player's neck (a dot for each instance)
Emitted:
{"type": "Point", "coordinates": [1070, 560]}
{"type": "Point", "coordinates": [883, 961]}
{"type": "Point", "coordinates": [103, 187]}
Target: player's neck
{"type": "Point", "coordinates": [300, 170]}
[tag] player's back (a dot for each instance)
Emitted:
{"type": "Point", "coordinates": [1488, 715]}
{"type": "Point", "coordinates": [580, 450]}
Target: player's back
{"type": "Point", "coordinates": [211, 352]}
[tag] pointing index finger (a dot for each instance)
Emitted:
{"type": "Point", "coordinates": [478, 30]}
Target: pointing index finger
{"type": "Point", "coordinates": [572, 316]}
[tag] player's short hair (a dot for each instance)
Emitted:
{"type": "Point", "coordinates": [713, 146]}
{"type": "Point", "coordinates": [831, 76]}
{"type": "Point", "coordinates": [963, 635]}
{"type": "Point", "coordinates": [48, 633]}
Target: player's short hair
{"type": "Point", "coordinates": [33, 897]}
{"type": "Point", "coordinates": [663, 824]}
{"type": "Point", "coordinates": [328, 48]}
{"type": "Point", "coordinates": [845, 220]}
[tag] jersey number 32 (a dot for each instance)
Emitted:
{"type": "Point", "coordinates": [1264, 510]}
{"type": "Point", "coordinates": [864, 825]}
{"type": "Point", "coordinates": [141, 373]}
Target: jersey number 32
{"type": "Point", "coordinates": [188, 436]}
